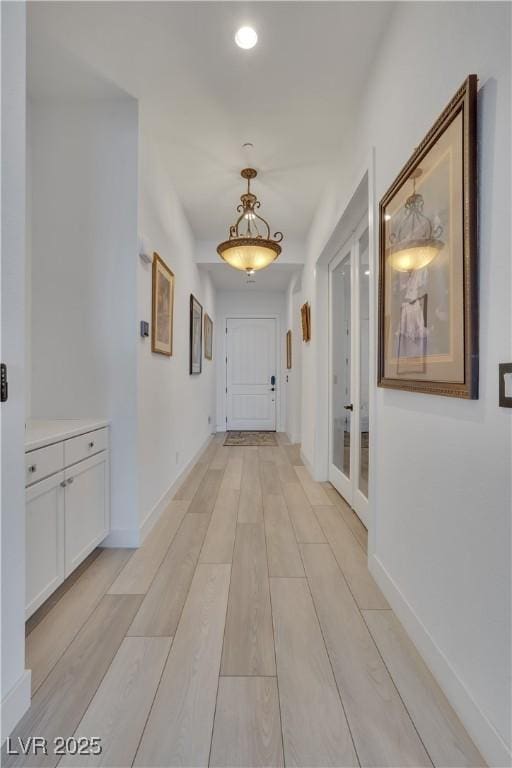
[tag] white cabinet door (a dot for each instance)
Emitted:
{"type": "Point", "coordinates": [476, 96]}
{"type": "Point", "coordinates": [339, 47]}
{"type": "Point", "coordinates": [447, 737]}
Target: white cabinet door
{"type": "Point", "coordinates": [87, 509]}
{"type": "Point", "coordinates": [251, 364]}
{"type": "Point", "coordinates": [45, 540]}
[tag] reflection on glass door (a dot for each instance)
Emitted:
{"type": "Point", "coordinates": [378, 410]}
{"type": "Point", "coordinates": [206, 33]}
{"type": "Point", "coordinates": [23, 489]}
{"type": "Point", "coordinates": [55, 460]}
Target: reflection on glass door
{"type": "Point", "coordinates": [349, 296]}
{"type": "Point", "coordinates": [364, 361]}
{"type": "Point", "coordinates": [341, 356]}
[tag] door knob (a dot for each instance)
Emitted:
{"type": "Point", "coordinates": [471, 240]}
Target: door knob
{"type": "Point", "coordinates": [349, 407]}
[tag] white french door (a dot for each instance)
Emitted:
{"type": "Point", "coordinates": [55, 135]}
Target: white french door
{"type": "Point", "coordinates": [349, 370]}
{"type": "Point", "coordinates": [251, 373]}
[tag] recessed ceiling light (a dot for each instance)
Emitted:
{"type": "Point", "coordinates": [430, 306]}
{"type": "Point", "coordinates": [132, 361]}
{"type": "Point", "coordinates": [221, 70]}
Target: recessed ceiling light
{"type": "Point", "coordinates": [367, 271]}
{"type": "Point", "coordinates": [387, 216]}
{"type": "Point", "coordinates": [246, 38]}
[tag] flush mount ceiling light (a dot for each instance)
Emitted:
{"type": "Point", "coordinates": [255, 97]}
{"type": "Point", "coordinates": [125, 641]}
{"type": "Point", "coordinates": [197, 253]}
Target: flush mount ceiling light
{"type": "Point", "coordinates": [415, 241]}
{"type": "Point", "coordinates": [246, 38]}
{"type": "Point", "coordinates": [247, 248]}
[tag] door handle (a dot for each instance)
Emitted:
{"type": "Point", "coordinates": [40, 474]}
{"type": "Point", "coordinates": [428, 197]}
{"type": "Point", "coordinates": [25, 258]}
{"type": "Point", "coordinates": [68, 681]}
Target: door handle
{"type": "Point", "coordinates": [349, 407]}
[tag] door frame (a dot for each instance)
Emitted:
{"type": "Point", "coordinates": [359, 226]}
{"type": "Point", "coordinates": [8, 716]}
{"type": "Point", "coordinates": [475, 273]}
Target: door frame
{"type": "Point", "coordinates": [279, 358]}
{"type": "Point", "coordinates": [362, 185]}
{"type": "Point", "coordinates": [344, 484]}
{"type": "Point", "coordinates": [349, 487]}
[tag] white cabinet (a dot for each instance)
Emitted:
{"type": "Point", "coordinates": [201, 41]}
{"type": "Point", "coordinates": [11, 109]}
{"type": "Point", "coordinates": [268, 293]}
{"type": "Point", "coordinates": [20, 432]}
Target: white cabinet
{"type": "Point", "coordinates": [86, 508]}
{"type": "Point", "coordinates": [45, 540]}
{"type": "Point", "coordinates": [67, 509]}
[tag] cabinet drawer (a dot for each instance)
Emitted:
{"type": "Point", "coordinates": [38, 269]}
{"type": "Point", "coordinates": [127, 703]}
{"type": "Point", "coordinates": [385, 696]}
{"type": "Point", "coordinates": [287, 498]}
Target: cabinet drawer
{"type": "Point", "coordinates": [83, 446]}
{"type": "Point", "coordinates": [43, 462]}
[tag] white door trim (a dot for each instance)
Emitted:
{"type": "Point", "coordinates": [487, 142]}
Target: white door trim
{"type": "Point", "coordinates": [279, 356]}
{"type": "Point", "coordinates": [342, 482]}
{"type": "Point", "coordinates": [320, 458]}
{"type": "Point", "coordinates": [349, 486]}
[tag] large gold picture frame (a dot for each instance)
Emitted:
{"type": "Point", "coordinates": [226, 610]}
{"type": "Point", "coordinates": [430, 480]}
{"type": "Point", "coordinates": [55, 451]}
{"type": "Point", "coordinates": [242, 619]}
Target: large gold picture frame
{"type": "Point", "coordinates": [428, 289]}
{"type": "Point", "coordinates": [162, 300]}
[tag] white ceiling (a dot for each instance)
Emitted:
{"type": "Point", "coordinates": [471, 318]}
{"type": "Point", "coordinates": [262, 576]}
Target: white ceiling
{"type": "Point", "coordinates": [276, 278]}
{"type": "Point", "coordinates": [201, 97]}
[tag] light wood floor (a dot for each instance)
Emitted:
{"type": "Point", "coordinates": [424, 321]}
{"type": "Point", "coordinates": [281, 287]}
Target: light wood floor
{"type": "Point", "coordinates": [246, 631]}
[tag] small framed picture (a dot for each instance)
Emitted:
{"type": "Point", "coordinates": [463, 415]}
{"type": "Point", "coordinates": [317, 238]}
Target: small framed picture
{"type": "Point", "coordinates": [208, 336]}
{"type": "Point", "coordinates": [196, 335]}
{"type": "Point", "coordinates": [305, 312]}
{"type": "Point", "coordinates": [162, 307]}
{"type": "Point", "coordinates": [428, 291]}
{"type": "Point", "coordinates": [289, 349]}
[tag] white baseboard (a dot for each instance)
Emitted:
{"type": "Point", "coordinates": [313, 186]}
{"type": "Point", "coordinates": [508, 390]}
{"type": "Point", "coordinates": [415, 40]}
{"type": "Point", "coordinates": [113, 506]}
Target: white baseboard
{"type": "Point", "coordinates": [15, 703]}
{"type": "Point", "coordinates": [483, 733]}
{"type": "Point", "coordinates": [307, 464]}
{"type": "Point", "coordinates": [126, 538]}
{"type": "Point", "coordinates": [154, 513]}
{"type": "Point", "coordinates": [133, 537]}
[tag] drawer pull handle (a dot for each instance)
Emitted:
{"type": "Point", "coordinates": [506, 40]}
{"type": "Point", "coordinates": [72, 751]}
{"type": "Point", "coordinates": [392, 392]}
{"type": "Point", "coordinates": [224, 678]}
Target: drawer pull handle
{"type": "Point", "coordinates": [63, 484]}
{"type": "Point", "coordinates": [70, 480]}
{"type": "Point", "coordinates": [91, 444]}
{"type": "Point", "coordinates": [32, 468]}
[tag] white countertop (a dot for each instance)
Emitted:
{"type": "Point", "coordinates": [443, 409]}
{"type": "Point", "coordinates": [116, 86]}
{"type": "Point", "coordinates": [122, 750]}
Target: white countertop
{"type": "Point", "coordinates": [39, 433]}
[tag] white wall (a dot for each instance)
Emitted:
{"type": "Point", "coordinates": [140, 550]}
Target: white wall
{"type": "Point", "coordinates": [174, 407]}
{"type": "Point", "coordinates": [84, 271]}
{"type": "Point", "coordinates": [250, 304]}
{"type": "Point", "coordinates": [293, 378]}
{"type": "Point", "coordinates": [441, 467]}
{"type": "Point", "coordinates": [15, 680]}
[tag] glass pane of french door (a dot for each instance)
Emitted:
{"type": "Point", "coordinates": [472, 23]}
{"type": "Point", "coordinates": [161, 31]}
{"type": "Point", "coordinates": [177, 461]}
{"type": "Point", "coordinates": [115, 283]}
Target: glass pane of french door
{"type": "Point", "coordinates": [364, 361]}
{"type": "Point", "coordinates": [341, 361]}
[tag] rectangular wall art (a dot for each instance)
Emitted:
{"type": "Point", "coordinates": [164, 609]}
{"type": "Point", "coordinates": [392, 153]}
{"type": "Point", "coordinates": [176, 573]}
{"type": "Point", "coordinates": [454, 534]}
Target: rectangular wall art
{"type": "Point", "coordinates": [305, 313]}
{"type": "Point", "coordinates": [208, 337]}
{"type": "Point", "coordinates": [162, 307]}
{"type": "Point", "coordinates": [196, 335]}
{"type": "Point", "coordinates": [289, 349]}
{"type": "Point", "coordinates": [428, 293]}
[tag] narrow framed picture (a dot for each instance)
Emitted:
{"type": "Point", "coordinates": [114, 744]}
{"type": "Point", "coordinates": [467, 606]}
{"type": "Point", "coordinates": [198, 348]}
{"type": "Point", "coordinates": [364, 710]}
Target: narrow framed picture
{"type": "Point", "coordinates": [428, 291]}
{"type": "Point", "coordinates": [208, 336]}
{"type": "Point", "coordinates": [196, 335]}
{"type": "Point", "coordinates": [305, 312]}
{"type": "Point", "coordinates": [162, 307]}
{"type": "Point", "coordinates": [288, 349]}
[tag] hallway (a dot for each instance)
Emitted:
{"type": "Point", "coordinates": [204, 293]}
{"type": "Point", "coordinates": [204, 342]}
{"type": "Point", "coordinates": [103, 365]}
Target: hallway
{"type": "Point", "coordinates": [246, 631]}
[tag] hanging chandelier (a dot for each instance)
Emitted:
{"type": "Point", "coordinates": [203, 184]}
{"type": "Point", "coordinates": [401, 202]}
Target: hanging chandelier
{"type": "Point", "coordinates": [250, 246]}
{"type": "Point", "coordinates": [415, 241]}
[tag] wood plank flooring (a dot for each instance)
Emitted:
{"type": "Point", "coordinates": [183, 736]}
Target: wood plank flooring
{"type": "Point", "coordinates": [246, 631]}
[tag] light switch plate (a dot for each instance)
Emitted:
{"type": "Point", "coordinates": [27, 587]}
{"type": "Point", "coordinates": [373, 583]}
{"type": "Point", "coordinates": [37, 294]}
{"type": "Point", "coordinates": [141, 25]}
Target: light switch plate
{"type": "Point", "coordinates": [144, 328]}
{"type": "Point", "coordinates": [505, 386]}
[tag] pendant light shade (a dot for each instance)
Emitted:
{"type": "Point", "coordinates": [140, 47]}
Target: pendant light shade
{"type": "Point", "coordinates": [415, 242]}
{"type": "Point", "coordinates": [248, 248]}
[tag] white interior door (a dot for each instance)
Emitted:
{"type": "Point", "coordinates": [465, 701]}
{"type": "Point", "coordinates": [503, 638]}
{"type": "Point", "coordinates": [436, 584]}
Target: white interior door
{"type": "Point", "coordinates": [251, 373]}
{"type": "Point", "coordinates": [349, 370]}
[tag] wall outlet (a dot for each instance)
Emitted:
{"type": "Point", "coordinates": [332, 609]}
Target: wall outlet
{"type": "Point", "coordinates": [177, 457]}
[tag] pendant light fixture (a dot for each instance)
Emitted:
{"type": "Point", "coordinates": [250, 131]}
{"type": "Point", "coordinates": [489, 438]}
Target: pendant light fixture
{"type": "Point", "coordinates": [415, 241]}
{"type": "Point", "coordinates": [250, 246]}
